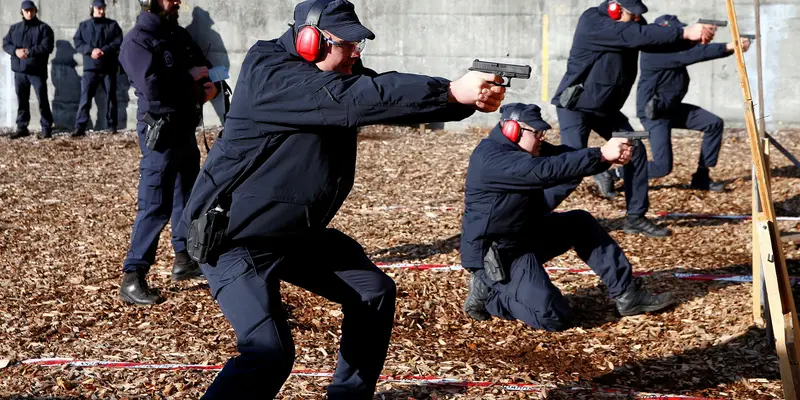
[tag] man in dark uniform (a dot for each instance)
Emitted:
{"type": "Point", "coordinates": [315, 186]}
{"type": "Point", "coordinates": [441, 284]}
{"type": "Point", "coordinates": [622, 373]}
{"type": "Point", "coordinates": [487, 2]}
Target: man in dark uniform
{"type": "Point", "coordinates": [510, 229]}
{"type": "Point", "coordinates": [98, 39]}
{"type": "Point", "coordinates": [283, 169]}
{"type": "Point", "coordinates": [600, 73]}
{"type": "Point", "coordinates": [170, 75]}
{"type": "Point", "coordinates": [662, 86]}
{"type": "Point", "coordinates": [30, 44]}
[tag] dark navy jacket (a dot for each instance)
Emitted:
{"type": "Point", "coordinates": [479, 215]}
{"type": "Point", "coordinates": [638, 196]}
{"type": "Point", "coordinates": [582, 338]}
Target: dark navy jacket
{"type": "Point", "coordinates": [37, 37]}
{"type": "Point", "coordinates": [508, 191]}
{"type": "Point", "coordinates": [157, 56]}
{"type": "Point", "coordinates": [299, 125]}
{"type": "Point", "coordinates": [665, 74]}
{"type": "Point", "coordinates": [99, 33]}
{"type": "Point", "coordinates": [604, 57]}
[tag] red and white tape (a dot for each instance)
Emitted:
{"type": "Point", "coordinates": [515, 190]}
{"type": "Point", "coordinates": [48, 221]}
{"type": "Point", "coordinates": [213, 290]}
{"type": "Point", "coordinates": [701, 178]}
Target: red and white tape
{"type": "Point", "coordinates": [405, 380]}
{"type": "Point", "coordinates": [665, 214]}
{"type": "Point", "coordinates": [580, 271]}
{"type": "Point", "coordinates": [661, 214]}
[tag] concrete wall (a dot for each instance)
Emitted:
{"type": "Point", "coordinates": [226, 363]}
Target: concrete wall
{"type": "Point", "coordinates": [438, 37]}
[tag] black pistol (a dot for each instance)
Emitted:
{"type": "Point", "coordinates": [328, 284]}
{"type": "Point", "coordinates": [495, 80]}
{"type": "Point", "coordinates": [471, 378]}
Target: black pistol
{"type": "Point", "coordinates": [633, 135]}
{"type": "Point", "coordinates": [751, 36]}
{"type": "Point", "coordinates": [503, 70]}
{"type": "Point", "coordinates": [714, 22]}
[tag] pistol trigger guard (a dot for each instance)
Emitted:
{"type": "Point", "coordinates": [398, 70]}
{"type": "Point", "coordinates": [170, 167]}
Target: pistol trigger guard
{"type": "Point", "coordinates": [506, 83]}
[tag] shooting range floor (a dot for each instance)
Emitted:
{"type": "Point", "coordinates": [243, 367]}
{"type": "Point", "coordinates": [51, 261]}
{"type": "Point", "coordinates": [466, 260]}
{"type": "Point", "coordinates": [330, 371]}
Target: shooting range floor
{"type": "Point", "coordinates": [66, 209]}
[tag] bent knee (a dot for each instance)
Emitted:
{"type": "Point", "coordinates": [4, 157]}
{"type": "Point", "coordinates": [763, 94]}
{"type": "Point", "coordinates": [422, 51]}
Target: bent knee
{"type": "Point", "coordinates": [382, 297]}
{"type": "Point", "coordinates": [268, 342]}
{"type": "Point", "coordinates": [659, 170]}
{"type": "Point", "coordinates": [716, 126]}
{"type": "Point", "coordinates": [581, 216]}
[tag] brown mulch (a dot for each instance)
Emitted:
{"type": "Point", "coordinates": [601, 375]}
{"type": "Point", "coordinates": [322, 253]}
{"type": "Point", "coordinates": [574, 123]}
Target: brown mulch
{"type": "Point", "coordinates": [67, 206]}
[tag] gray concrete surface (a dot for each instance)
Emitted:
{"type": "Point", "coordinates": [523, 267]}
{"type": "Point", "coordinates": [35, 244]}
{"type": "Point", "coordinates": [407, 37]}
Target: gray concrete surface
{"type": "Point", "coordinates": [437, 37]}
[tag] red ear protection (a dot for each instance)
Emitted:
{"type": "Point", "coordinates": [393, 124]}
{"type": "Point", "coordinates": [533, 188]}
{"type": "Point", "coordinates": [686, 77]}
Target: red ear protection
{"type": "Point", "coordinates": [614, 10]}
{"type": "Point", "coordinates": [511, 128]}
{"type": "Point", "coordinates": [308, 41]}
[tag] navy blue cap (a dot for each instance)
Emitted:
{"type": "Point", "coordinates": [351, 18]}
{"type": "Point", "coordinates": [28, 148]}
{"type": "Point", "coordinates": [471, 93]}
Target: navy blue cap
{"type": "Point", "coordinates": [530, 114]}
{"type": "Point", "coordinates": [669, 20]}
{"type": "Point", "coordinates": [634, 6]}
{"type": "Point", "coordinates": [99, 3]}
{"type": "Point", "coordinates": [28, 5]}
{"type": "Point", "coordinates": [338, 17]}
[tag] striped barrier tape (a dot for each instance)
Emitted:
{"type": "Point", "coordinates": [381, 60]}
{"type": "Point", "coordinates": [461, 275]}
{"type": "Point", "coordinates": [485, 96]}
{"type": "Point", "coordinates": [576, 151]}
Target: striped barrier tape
{"type": "Point", "coordinates": [417, 380]}
{"type": "Point", "coordinates": [580, 271]}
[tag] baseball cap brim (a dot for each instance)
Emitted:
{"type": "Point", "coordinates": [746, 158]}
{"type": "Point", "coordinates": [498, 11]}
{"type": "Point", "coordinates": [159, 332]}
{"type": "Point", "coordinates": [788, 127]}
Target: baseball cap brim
{"type": "Point", "coordinates": [352, 32]}
{"type": "Point", "coordinates": [539, 125]}
{"type": "Point", "coordinates": [638, 9]}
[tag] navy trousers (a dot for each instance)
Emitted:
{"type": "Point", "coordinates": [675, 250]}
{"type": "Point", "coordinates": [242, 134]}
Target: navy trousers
{"type": "Point", "coordinates": [90, 82]}
{"type": "Point", "coordinates": [246, 284]}
{"type": "Point", "coordinates": [165, 182]}
{"type": "Point", "coordinates": [529, 295]}
{"type": "Point", "coordinates": [22, 85]}
{"type": "Point", "coordinates": [575, 128]}
{"type": "Point", "coordinates": [686, 116]}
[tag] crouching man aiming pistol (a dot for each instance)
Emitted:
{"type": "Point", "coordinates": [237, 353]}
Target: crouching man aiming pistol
{"type": "Point", "coordinates": [510, 229]}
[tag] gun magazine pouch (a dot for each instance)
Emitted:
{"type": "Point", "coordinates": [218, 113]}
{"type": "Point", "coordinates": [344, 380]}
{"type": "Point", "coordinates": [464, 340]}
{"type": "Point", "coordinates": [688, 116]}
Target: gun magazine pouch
{"type": "Point", "coordinates": [206, 235]}
{"type": "Point", "coordinates": [569, 97]}
{"type": "Point", "coordinates": [493, 266]}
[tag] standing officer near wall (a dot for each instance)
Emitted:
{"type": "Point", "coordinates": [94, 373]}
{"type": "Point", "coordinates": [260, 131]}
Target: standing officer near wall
{"type": "Point", "coordinates": [600, 73]}
{"type": "Point", "coordinates": [30, 44]}
{"type": "Point", "coordinates": [510, 229]}
{"type": "Point", "coordinates": [662, 86]}
{"type": "Point", "coordinates": [170, 75]}
{"type": "Point", "coordinates": [98, 39]}
{"type": "Point", "coordinates": [280, 173]}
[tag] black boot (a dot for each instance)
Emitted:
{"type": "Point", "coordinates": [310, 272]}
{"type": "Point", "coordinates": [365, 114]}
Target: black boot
{"type": "Point", "coordinates": [78, 132]}
{"type": "Point", "coordinates": [640, 224]}
{"type": "Point", "coordinates": [635, 300]}
{"type": "Point", "coordinates": [702, 181]}
{"type": "Point", "coordinates": [184, 267]}
{"type": "Point", "coordinates": [20, 132]}
{"type": "Point", "coordinates": [134, 290]}
{"type": "Point", "coordinates": [605, 183]}
{"type": "Point", "coordinates": [46, 133]}
{"type": "Point", "coordinates": [475, 304]}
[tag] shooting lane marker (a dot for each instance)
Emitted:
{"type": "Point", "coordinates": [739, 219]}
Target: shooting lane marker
{"type": "Point", "coordinates": [405, 380]}
{"type": "Point", "coordinates": [545, 58]}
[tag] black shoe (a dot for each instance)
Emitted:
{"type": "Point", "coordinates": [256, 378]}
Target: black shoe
{"type": "Point", "coordinates": [640, 224]}
{"type": "Point", "coordinates": [112, 130]}
{"type": "Point", "coordinates": [134, 290]}
{"type": "Point", "coordinates": [46, 134]}
{"type": "Point", "coordinates": [78, 132]}
{"type": "Point", "coordinates": [20, 132]}
{"type": "Point", "coordinates": [635, 300]}
{"type": "Point", "coordinates": [605, 183]}
{"type": "Point", "coordinates": [475, 304]}
{"type": "Point", "coordinates": [701, 181]}
{"type": "Point", "coordinates": [184, 268]}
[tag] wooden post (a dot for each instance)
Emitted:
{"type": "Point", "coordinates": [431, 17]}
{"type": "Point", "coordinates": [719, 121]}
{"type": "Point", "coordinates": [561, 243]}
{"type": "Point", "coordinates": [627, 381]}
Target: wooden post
{"type": "Point", "coordinates": [783, 314]}
{"type": "Point", "coordinates": [756, 260]}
